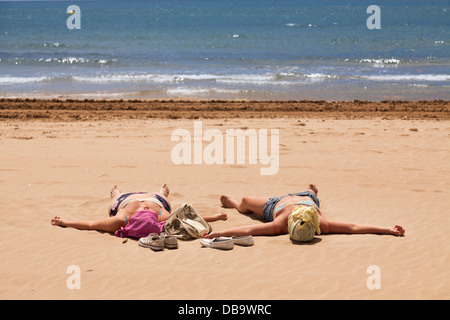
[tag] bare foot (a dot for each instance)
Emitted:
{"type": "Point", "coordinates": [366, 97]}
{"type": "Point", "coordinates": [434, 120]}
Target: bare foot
{"type": "Point", "coordinates": [114, 191]}
{"type": "Point", "coordinates": [228, 202]}
{"type": "Point", "coordinates": [57, 221]}
{"type": "Point", "coordinates": [313, 188]}
{"type": "Point", "coordinates": [164, 190]}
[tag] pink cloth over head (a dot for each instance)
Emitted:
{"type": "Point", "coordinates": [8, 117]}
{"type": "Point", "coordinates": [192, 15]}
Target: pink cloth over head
{"type": "Point", "coordinates": [141, 225]}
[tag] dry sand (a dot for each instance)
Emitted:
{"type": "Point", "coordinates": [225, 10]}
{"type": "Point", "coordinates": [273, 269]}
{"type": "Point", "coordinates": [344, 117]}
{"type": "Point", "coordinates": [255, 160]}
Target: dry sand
{"type": "Point", "coordinates": [386, 165]}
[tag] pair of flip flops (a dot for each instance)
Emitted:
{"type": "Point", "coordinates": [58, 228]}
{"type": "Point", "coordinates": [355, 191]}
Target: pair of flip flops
{"type": "Point", "coordinates": [227, 243]}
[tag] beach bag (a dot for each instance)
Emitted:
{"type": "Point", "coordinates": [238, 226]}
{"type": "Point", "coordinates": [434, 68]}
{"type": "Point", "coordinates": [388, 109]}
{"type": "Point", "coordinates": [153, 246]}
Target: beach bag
{"type": "Point", "coordinates": [185, 223]}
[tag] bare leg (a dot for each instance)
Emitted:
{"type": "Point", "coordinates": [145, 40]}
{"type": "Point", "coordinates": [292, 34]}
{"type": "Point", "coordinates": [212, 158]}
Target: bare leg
{"type": "Point", "coordinates": [247, 204]}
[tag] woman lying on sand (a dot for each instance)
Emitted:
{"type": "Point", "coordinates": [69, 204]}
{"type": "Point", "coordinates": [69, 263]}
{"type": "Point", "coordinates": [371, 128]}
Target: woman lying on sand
{"type": "Point", "coordinates": [297, 214]}
{"type": "Point", "coordinates": [135, 214]}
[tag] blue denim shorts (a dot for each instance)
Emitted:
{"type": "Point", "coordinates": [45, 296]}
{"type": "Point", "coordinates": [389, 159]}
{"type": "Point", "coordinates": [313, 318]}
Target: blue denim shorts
{"type": "Point", "coordinates": [272, 202]}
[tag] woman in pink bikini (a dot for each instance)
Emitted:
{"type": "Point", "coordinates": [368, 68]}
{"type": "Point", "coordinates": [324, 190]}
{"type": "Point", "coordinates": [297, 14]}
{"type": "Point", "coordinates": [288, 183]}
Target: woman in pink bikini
{"type": "Point", "coordinates": [297, 214]}
{"type": "Point", "coordinates": [134, 215]}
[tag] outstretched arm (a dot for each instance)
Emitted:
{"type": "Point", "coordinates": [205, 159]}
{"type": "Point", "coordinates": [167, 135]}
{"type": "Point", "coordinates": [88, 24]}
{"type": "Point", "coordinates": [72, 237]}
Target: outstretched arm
{"type": "Point", "coordinates": [109, 224]}
{"type": "Point", "coordinates": [265, 229]}
{"type": "Point", "coordinates": [351, 228]}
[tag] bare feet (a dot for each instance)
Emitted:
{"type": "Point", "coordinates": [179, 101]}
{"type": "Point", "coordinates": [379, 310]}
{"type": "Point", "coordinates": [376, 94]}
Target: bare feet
{"type": "Point", "coordinates": [164, 190]}
{"type": "Point", "coordinates": [114, 191]}
{"type": "Point", "coordinates": [228, 202]}
{"type": "Point", "coordinates": [313, 188]}
{"type": "Point", "coordinates": [57, 221]}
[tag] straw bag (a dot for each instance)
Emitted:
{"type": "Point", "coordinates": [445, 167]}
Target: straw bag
{"type": "Point", "coordinates": [185, 223]}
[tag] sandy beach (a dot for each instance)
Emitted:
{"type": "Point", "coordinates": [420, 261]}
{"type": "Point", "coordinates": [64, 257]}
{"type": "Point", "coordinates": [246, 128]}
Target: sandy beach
{"type": "Point", "coordinates": [382, 163]}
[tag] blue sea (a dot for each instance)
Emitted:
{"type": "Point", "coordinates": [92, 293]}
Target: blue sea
{"type": "Point", "coordinates": [226, 49]}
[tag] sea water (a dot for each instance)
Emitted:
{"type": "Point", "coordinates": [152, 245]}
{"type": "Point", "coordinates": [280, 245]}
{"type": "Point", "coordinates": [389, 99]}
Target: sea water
{"type": "Point", "coordinates": [226, 49]}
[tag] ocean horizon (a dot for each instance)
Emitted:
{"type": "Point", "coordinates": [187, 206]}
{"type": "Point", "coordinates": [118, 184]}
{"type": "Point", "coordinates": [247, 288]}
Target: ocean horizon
{"type": "Point", "coordinates": [255, 50]}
